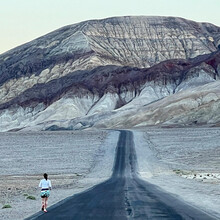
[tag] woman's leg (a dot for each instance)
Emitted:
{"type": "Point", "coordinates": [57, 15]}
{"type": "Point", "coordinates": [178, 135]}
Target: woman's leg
{"type": "Point", "coordinates": [46, 200]}
{"type": "Point", "coordinates": [43, 203]}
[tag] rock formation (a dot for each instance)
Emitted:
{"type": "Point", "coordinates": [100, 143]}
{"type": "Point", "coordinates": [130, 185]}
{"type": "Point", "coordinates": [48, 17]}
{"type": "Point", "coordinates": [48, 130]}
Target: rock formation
{"type": "Point", "coordinates": [116, 72]}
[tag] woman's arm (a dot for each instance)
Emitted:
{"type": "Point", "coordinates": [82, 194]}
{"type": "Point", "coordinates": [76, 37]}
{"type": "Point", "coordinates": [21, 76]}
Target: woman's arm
{"type": "Point", "coordinates": [50, 186]}
{"type": "Point", "coordinates": [40, 184]}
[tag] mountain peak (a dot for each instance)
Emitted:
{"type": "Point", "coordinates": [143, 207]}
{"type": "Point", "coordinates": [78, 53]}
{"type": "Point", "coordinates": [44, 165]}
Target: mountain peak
{"type": "Point", "coordinates": [112, 60]}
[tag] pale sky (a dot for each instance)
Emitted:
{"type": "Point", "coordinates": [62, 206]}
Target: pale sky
{"type": "Point", "coordinates": [24, 20]}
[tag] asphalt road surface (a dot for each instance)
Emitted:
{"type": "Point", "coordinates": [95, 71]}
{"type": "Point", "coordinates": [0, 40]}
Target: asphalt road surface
{"type": "Point", "coordinates": [124, 196]}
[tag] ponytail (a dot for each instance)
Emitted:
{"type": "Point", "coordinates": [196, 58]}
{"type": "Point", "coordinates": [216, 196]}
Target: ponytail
{"type": "Point", "coordinates": [45, 176]}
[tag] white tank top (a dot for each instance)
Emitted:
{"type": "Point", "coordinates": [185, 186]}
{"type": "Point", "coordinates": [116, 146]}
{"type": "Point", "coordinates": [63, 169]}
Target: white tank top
{"type": "Point", "coordinates": [44, 184]}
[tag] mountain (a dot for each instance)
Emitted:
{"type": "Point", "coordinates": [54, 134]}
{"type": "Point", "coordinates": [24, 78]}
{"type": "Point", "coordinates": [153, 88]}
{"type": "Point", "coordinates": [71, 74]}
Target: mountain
{"type": "Point", "coordinates": [113, 73]}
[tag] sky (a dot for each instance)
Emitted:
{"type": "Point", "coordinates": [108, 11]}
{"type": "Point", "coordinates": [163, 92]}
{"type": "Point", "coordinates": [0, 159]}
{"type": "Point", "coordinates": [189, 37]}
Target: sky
{"type": "Point", "coordinates": [24, 20]}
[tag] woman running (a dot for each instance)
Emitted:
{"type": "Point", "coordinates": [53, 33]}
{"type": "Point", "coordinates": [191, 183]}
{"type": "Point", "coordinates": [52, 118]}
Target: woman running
{"type": "Point", "coordinates": [46, 186]}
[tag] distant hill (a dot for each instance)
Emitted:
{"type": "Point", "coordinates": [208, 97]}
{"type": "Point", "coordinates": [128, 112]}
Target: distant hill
{"type": "Point", "coordinates": [119, 72]}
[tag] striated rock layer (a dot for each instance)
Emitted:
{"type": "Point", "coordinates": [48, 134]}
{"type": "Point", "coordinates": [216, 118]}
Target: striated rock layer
{"type": "Point", "coordinates": [104, 72]}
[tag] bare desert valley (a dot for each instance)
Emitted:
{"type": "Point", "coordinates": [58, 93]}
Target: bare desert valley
{"type": "Point", "coordinates": [182, 161]}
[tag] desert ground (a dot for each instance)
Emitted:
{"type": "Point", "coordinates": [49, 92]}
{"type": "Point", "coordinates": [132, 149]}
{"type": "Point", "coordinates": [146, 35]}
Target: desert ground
{"type": "Point", "coordinates": [71, 159]}
{"type": "Point", "coordinates": [182, 161]}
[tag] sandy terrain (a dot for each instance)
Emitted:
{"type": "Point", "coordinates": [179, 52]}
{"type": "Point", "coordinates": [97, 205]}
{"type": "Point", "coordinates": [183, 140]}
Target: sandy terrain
{"type": "Point", "coordinates": [184, 162]}
{"type": "Point", "coordinates": [72, 160]}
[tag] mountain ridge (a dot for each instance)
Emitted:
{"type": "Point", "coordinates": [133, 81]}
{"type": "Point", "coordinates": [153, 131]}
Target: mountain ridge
{"type": "Point", "coordinates": [98, 66]}
{"type": "Point", "coordinates": [207, 24]}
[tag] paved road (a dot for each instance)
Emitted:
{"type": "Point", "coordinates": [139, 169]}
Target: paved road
{"type": "Point", "coordinates": [124, 196]}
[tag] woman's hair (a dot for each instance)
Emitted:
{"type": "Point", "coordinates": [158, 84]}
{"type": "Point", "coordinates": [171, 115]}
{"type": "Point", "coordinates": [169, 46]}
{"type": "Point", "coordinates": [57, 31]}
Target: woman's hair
{"type": "Point", "coordinates": [45, 176]}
